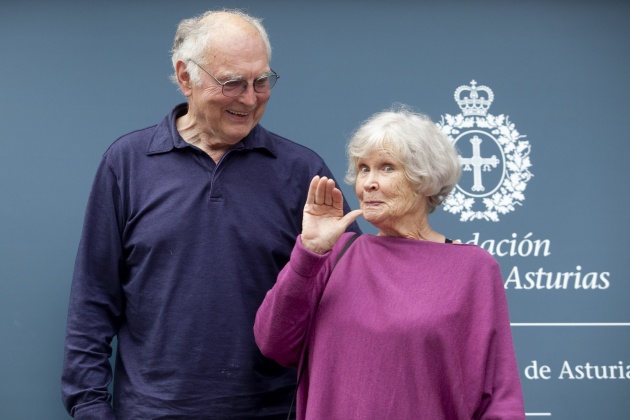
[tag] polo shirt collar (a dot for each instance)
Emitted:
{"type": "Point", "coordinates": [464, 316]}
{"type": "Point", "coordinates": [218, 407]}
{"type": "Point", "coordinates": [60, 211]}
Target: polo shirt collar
{"type": "Point", "coordinates": [166, 137]}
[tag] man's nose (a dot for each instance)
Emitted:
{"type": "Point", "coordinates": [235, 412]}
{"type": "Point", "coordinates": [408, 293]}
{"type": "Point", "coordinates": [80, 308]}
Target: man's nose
{"type": "Point", "coordinates": [249, 95]}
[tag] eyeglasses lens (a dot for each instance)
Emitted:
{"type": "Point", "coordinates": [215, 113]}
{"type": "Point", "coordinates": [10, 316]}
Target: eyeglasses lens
{"type": "Point", "coordinates": [261, 85]}
{"type": "Point", "coordinates": [264, 84]}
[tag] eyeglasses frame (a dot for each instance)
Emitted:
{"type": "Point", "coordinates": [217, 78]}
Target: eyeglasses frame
{"type": "Point", "coordinates": [244, 85]}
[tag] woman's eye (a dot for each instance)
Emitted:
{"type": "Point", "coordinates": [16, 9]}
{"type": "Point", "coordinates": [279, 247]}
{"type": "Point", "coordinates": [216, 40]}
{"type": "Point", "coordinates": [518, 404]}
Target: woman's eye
{"type": "Point", "coordinates": [364, 169]}
{"type": "Point", "coordinates": [389, 168]}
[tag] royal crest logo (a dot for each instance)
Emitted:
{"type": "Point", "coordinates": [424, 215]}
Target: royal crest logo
{"type": "Point", "coordinates": [494, 157]}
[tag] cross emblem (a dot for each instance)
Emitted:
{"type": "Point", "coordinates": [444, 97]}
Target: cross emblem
{"type": "Point", "coordinates": [477, 164]}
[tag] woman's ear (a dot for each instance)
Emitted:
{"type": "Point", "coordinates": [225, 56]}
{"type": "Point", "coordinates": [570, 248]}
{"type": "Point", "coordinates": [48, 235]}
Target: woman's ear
{"type": "Point", "coordinates": [183, 78]}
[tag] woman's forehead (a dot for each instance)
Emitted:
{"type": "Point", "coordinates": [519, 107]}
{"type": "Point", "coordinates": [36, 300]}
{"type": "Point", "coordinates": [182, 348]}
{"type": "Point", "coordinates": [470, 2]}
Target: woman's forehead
{"type": "Point", "coordinates": [383, 151]}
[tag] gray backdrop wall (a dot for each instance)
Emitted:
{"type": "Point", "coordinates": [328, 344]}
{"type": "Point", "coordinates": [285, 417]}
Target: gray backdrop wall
{"type": "Point", "coordinates": [75, 75]}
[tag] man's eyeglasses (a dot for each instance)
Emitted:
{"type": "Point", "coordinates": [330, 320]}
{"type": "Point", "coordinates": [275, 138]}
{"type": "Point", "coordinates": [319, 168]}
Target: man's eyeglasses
{"type": "Point", "coordinates": [235, 87]}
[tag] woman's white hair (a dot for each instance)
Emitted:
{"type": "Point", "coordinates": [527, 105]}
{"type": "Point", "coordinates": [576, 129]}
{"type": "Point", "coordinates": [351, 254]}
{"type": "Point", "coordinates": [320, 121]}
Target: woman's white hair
{"type": "Point", "coordinates": [429, 159]}
{"type": "Point", "coordinates": [194, 35]}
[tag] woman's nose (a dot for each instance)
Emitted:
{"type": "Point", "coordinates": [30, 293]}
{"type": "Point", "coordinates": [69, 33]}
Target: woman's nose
{"type": "Point", "coordinates": [371, 183]}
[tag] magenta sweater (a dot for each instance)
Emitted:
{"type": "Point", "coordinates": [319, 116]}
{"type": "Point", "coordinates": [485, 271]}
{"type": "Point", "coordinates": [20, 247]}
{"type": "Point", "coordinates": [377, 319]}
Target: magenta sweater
{"type": "Point", "coordinates": [405, 329]}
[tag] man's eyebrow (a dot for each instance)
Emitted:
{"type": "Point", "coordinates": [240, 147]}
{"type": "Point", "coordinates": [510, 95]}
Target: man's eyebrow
{"type": "Point", "coordinates": [265, 74]}
{"type": "Point", "coordinates": [230, 76]}
{"type": "Point", "coordinates": [233, 76]}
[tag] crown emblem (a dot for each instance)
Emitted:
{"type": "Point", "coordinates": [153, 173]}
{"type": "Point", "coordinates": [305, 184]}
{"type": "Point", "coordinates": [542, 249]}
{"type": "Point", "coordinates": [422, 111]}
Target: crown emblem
{"type": "Point", "coordinates": [474, 104]}
{"type": "Point", "coordinates": [496, 181]}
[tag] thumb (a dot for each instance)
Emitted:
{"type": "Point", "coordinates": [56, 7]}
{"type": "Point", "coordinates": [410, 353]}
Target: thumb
{"type": "Point", "coordinates": [350, 217]}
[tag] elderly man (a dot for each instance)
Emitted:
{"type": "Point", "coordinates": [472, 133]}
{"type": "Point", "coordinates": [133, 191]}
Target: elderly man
{"type": "Point", "coordinates": [186, 228]}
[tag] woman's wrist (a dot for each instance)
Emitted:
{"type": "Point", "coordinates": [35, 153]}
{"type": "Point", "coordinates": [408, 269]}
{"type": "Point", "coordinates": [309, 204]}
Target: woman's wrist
{"type": "Point", "coordinates": [314, 246]}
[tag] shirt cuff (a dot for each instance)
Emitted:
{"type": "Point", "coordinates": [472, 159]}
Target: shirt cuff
{"type": "Point", "coordinates": [102, 411]}
{"type": "Point", "coordinates": [304, 262]}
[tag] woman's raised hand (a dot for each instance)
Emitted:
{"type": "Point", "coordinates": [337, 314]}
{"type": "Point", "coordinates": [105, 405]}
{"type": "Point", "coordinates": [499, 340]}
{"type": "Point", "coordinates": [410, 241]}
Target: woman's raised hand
{"type": "Point", "coordinates": [323, 221]}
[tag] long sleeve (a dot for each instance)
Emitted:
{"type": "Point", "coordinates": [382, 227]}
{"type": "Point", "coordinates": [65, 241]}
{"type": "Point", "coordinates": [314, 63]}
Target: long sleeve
{"type": "Point", "coordinates": [95, 305]}
{"type": "Point", "coordinates": [502, 398]}
{"type": "Point", "coordinates": [282, 321]}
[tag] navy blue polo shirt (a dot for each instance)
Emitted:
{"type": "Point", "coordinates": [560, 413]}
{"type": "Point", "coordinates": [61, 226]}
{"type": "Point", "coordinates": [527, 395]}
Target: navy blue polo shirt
{"type": "Point", "coordinates": [176, 255]}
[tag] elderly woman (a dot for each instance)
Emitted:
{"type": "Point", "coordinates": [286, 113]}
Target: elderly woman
{"type": "Point", "coordinates": [408, 325]}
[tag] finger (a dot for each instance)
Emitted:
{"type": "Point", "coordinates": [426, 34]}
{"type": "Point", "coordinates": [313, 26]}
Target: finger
{"type": "Point", "coordinates": [337, 198]}
{"type": "Point", "coordinates": [320, 192]}
{"type": "Point", "coordinates": [310, 198]}
{"type": "Point", "coordinates": [330, 188]}
{"type": "Point", "coordinates": [350, 217]}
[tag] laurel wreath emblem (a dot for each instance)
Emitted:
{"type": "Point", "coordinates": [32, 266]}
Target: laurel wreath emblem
{"type": "Point", "coordinates": [516, 166]}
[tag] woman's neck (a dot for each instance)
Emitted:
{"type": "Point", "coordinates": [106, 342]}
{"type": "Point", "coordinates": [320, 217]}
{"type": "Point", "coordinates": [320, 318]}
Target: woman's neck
{"type": "Point", "coordinates": [419, 231]}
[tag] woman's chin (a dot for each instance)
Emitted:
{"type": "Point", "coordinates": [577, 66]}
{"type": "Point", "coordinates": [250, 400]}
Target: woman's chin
{"type": "Point", "coordinates": [375, 219]}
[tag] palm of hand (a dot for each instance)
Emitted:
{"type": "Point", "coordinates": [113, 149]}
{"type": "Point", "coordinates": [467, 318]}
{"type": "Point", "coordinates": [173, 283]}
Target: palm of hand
{"type": "Point", "coordinates": [323, 219]}
{"type": "Point", "coordinates": [320, 218]}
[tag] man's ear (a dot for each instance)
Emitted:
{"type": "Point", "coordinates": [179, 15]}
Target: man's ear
{"type": "Point", "coordinates": [183, 78]}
